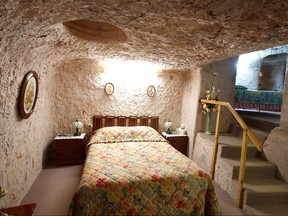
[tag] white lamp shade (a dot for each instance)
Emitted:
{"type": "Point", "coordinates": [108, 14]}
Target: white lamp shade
{"type": "Point", "coordinates": [77, 124]}
{"type": "Point", "coordinates": [168, 124]}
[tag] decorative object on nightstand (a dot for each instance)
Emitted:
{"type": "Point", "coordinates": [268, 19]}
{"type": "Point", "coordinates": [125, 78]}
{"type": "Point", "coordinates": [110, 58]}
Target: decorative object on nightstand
{"type": "Point", "coordinates": [78, 125]}
{"type": "Point", "coordinates": [168, 125]}
{"type": "Point", "coordinates": [181, 130]}
{"type": "Point", "coordinates": [179, 142]}
{"type": "Point", "coordinates": [69, 149]}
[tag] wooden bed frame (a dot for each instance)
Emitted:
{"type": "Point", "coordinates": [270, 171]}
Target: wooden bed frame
{"type": "Point", "coordinates": [106, 121]}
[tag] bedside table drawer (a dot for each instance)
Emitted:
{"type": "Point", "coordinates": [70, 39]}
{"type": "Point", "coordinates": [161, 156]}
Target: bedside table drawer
{"type": "Point", "coordinates": [69, 150]}
{"type": "Point", "coordinates": [180, 146]}
{"type": "Point", "coordinates": [68, 145]}
{"type": "Point", "coordinates": [179, 142]}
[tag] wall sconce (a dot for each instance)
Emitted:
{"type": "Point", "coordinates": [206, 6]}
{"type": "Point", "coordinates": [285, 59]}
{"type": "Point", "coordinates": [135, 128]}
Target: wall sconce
{"type": "Point", "coordinates": [109, 88]}
{"type": "Point", "coordinates": [78, 125]}
{"type": "Point", "coordinates": [151, 91]}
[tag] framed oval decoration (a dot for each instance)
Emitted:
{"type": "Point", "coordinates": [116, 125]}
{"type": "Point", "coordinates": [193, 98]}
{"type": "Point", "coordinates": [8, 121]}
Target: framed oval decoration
{"type": "Point", "coordinates": [109, 88]}
{"type": "Point", "coordinates": [28, 94]}
{"type": "Point", "coordinates": [151, 91]}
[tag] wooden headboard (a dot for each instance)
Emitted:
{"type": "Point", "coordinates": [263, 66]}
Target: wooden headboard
{"type": "Point", "coordinates": [106, 121]}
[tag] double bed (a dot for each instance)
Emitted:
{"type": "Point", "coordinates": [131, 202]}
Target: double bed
{"type": "Point", "coordinates": [133, 170]}
{"type": "Point", "coordinates": [260, 100]}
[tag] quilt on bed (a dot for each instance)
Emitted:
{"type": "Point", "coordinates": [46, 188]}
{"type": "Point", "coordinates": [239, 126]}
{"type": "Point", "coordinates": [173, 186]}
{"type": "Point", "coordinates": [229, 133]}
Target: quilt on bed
{"type": "Point", "coordinates": [134, 171]}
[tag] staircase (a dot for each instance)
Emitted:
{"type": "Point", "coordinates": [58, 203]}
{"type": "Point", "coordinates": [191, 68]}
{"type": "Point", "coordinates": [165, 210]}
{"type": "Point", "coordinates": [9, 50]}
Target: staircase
{"type": "Point", "coordinates": [263, 193]}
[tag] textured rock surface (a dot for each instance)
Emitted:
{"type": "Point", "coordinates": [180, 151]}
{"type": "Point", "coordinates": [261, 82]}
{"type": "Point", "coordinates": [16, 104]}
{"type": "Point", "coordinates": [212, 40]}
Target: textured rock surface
{"type": "Point", "coordinates": [179, 33]}
{"type": "Point", "coordinates": [81, 83]}
{"type": "Point", "coordinates": [183, 35]}
{"type": "Point", "coordinates": [276, 150]}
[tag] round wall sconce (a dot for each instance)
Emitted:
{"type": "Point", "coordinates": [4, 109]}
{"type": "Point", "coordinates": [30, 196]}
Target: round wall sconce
{"type": "Point", "coordinates": [109, 88]}
{"type": "Point", "coordinates": [151, 91]}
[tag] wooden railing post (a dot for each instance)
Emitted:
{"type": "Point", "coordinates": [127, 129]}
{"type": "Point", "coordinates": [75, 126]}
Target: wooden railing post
{"type": "Point", "coordinates": [247, 133]}
{"type": "Point", "coordinates": [242, 169]}
{"type": "Point", "coordinates": [215, 150]}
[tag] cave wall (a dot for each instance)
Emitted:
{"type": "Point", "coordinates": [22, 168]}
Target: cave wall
{"type": "Point", "coordinates": [195, 86]}
{"type": "Point", "coordinates": [79, 93]}
{"type": "Point", "coordinates": [23, 142]}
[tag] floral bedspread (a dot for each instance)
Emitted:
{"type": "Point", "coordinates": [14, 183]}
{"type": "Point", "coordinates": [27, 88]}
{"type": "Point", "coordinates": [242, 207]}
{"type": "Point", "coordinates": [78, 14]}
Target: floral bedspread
{"type": "Point", "coordinates": [134, 171]}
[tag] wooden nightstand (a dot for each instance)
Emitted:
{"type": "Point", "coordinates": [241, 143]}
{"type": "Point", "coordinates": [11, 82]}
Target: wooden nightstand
{"type": "Point", "coordinates": [69, 149]}
{"type": "Point", "coordinates": [22, 210]}
{"type": "Point", "coordinates": [179, 142]}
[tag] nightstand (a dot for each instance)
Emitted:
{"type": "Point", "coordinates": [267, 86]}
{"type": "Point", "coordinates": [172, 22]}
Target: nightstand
{"type": "Point", "coordinates": [22, 210]}
{"type": "Point", "coordinates": [179, 142]}
{"type": "Point", "coordinates": [69, 149]}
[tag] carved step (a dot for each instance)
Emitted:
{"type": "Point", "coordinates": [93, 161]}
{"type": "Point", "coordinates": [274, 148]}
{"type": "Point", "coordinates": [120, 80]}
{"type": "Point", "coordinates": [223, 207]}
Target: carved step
{"type": "Point", "coordinates": [272, 209]}
{"type": "Point", "coordinates": [237, 131]}
{"type": "Point", "coordinates": [235, 151]}
{"type": "Point", "coordinates": [255, 168]}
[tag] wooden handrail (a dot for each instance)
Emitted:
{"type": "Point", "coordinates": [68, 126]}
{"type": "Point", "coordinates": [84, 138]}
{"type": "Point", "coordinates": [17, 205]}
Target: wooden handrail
{"type": "Point", "coordinates": [246, 133]}
{"type": "Point", "coordinates": [250, 134]}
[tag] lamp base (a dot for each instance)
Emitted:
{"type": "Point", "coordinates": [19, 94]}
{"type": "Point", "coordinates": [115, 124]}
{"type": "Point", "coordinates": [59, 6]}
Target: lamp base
{"type": "Point", "coordinates": [168, 131]}
{"type": "Point", "coordinates": [77, 134]}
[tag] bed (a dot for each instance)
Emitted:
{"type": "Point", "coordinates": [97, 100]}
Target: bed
{"type": "Point", "coordinates": [261, 100]}
{"type": "Point", "coordinates": [133, 170]}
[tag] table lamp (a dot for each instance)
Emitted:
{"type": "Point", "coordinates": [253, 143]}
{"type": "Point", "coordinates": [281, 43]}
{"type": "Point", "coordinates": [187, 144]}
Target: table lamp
{"type": "Point", "coordinates": [78, 125]}
{"type": "Point", "coordinates": [168, 125]}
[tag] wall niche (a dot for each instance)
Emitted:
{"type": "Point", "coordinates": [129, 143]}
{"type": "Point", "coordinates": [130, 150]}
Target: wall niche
{"type": "Point", "coordinates": [272, 72]}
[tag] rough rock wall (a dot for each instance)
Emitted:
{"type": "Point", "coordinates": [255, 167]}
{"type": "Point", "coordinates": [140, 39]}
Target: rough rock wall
{"type": "Point", "coordinates": [23, 143]}
{"type": "Point", "coordinates": [79, 93]}
{"type": "Point", "coordinates": [190, 105]}
{"type": "Point", "coordinates": [284, 108]}
{"type": "Point", "coordinates": [276, 150]}
{"type": "Point", "coordinates": [221, 74]}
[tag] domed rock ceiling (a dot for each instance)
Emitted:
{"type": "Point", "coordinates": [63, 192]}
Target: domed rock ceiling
{"type": "Point", "coordinates": [179, 33]}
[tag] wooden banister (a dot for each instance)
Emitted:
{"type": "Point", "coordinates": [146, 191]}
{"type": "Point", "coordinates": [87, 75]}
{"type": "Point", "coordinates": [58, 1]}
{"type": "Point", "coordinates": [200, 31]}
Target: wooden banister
{"type": "Point", "coordinates": [247, 133]}
{"type": "Point", "coordinates": [251, 135]}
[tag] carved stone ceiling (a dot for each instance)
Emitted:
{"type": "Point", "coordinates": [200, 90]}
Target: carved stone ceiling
{"type": "Point", "coordinates": [180, 33]}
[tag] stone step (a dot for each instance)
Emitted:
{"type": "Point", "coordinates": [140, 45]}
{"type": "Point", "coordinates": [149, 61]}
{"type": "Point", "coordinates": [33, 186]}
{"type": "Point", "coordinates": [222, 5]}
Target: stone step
{"type": "Point", "coordinates": [265, 191]}
{"type": "Point", "coordinates": [266, 209]}
{"type": "Point", "coordinates": [235, 151]}
{"type": "Point", "coordinates": [264, 125]}
{"type": "Point", "coordinates": [255, 168]}
{"type": "Point", "coordinates": [227, 139]}
{"type": "Point", "coordinates": [230, 146]}
{"type": "Point", "coordinates": [237, 131]}
{"type": "Point", "coordinates": [263, 121]}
